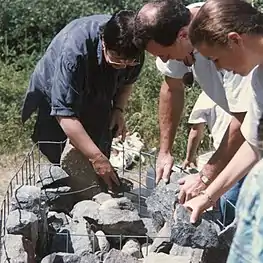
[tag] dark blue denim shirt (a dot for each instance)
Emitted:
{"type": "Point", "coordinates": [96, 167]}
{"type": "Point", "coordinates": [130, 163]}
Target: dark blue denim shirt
{"type": "Point", "coordinates": [72, 79]}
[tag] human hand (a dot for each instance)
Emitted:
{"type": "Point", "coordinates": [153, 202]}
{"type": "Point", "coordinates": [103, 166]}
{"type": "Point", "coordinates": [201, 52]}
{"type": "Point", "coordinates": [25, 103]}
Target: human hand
{"type": "Point", "coordinates": [198, 205]}
{"type": "Point", "coordinates": [104, 169]}
{"type": "Point", "coordinates": [190, 186]}
{"type": "Point", "coordinates": [117, 119]}
{"type": "Point", "coordinates": [164, 165]}
{"type": "Point", "coordinates": [188, 163]}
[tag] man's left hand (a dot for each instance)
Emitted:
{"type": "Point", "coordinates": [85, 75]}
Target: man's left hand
{"type": "Point", "coordinates": [190, 186]}
{"type": "Point", "coordinates": [118, 119]}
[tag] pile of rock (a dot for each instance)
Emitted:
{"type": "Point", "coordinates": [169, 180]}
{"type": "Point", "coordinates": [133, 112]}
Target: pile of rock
{"type": "Point", "coordinates": [49, 224]}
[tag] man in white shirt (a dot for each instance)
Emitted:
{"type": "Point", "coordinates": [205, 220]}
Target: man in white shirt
{"type": "Point", "coordinates": [207, 112]}
{"type": "Point", "coordinates": [161, 27]}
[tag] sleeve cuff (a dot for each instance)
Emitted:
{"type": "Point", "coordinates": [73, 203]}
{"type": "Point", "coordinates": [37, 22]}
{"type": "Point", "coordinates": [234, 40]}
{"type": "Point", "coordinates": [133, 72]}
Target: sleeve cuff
{"type": "Point", "coordinates": [56, 111]}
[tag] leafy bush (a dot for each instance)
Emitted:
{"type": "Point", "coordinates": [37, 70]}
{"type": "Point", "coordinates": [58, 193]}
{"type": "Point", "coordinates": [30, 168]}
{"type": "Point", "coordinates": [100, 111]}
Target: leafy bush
{"type": "Point", "coordinates": [13, 83]}
{"type": "Point", "coordinates": [26, 27]}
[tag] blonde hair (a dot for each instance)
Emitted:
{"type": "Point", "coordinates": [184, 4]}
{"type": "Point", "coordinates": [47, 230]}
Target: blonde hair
{"type": "Point", "coordinates": [217, 18]}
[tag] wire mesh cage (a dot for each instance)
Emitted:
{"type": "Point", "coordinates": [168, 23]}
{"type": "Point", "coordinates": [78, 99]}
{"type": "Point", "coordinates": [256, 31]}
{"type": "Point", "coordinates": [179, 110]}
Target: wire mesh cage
{"type": "Point", "coordinates": [29, 171]}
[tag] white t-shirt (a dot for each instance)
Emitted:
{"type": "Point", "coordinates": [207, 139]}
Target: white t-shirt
{"type": "Point", "coordinates": [207, 111]}
{"type": "Point", "coordinates": [250, 124]}
{"type": "Point", "coordinates": [226, 89]}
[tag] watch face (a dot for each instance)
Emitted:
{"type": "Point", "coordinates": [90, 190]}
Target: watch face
{"type": "Point", "coordinates": [204, 179]}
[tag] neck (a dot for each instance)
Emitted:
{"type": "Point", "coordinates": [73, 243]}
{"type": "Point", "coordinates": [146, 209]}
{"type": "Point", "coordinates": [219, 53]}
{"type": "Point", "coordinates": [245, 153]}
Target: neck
{"type": "Point", "coordinates": [255, 43]}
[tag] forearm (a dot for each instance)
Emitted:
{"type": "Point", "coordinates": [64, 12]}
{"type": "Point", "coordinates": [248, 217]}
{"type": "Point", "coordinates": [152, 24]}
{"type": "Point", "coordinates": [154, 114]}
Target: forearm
{"type": "Point", "coordinates": [122, 97]}
{"type": "Point", "coordinates": [193, 143]}
{"type": "Point", "coordinates": [231, 142]}
{"type": "Point", "coordinates": [170, 110]}
{"type": "Point", "coordinates": [79, 137]}
{"type": "Point", "coordinates": [237, 168]}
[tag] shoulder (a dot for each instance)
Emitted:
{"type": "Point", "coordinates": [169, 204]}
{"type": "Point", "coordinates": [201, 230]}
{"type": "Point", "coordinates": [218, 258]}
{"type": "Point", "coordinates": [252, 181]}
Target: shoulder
{"type": "Point", "coordinates": [172, 68]}
{"type": "Point", "coordinates": [81, 33]}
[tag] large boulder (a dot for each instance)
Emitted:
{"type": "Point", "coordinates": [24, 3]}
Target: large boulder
{"type": "Point", "coordinates": [16, 249]}
{"type": "Point", "coordinates": [203, 234]}
{"type": "Point", "coordinates": [116, 216]}
{"type": "Point", "coordinates": [82, 176]}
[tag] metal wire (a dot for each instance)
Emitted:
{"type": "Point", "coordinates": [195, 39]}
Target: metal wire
{"type": "Point", "coordinates": [31, 168]}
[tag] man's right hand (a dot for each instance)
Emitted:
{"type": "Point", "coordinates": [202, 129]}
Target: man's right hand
{"type": "Point", "coordinates": [104, 169]}
{"type": "Point", "coordinates": [164, 166]}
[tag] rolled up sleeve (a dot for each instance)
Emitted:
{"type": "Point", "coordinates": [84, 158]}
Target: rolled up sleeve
{"type": "Point", "coordinates": [64, 92]}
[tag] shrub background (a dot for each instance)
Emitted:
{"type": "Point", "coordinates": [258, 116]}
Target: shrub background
{"type": "Point", "coordinates": [27, 27]}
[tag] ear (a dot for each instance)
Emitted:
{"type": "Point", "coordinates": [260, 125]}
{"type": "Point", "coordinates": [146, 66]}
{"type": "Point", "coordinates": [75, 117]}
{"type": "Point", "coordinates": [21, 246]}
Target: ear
{"type": "Point", "coordinates": [183, 34]}
{"type": "Point", "coordinates": [234, 39]}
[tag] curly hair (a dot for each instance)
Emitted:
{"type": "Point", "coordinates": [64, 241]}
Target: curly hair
{"type": "Point", "coordinates": [117, 34]}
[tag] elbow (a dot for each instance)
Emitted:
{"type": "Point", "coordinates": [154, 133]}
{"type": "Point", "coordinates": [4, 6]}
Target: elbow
{"type": "Point", "coordinates": [68, 125]}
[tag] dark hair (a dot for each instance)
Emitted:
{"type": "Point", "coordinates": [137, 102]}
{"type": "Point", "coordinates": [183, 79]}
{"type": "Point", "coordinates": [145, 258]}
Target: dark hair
{"type": "Point", "coordinates": [117, 34]}
{"type": "Point", "coordinates": [163, 25]}
{"type": "Point", "coordinates": [217, 18]}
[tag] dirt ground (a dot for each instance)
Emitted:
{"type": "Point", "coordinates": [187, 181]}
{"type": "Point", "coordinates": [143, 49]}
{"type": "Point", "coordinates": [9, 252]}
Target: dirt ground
{"type": "Point", "coordinates": [8, 167]}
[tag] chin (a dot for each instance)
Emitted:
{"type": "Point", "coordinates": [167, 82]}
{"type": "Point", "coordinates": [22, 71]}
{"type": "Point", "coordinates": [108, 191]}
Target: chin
{"type": "Point", "coordinates": [243, 73]}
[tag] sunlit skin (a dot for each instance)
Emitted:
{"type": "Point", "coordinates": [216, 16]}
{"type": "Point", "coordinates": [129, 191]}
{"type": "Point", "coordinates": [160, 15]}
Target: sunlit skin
{"type": "Point", "coordinates": [181, 49]}
{"type": "Point", "coordinates": [240, 55]}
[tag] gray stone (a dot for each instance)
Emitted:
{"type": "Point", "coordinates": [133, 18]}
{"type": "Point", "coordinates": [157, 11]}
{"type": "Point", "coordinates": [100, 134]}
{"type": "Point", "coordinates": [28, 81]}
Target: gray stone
{"type": "Point", "coordinates": [86, 208]}
{"type": "Point", "coordinates": [117, 216]}
{"type": "Point", "coordinates": [162, 241]}
{"type": "Point", "coordinates": [61, 258]}
{"type": "Point", "coordinates": [81, 173]}
{"type": "Point", "coordinates": [226, 235]}
{"type": "Point", "coordinates": [132, 247]}
{"type": "Point", "coordinates": [58, 220]}
{"type": "Point", "coordinates": [70, 258]}
{"type": "Point", "coordinates": [101, 198]}
{"type": "Point", "coordinates": [90, 258]}
{"type": "Point", "coordinates": [202, 234]}
{"type": "Point", "coordinates": [26, 197]}
{"type": "Point", "coordinates": [122, 203]}
{"type": "Point", "coordinates": [164, 258]}
{"type": "Point", "coordinates": [148, 223]}
{"type": "Point", "coordinates": [22, 222]}
{"type": "Point", "coordinates": [215, 255]}
{"type": "Point", "coordinates": [15, 249]}
{"type": "Point", "coordinates": [51, 176]}
{"type": "Point", "coordinates": [158, 220]}
{"type": "Point", "coordinates": [58, 199]}
{"type": "Point", "coordinates": [193, 255]}
{"type": "Point", "coordinates": [162, 200]}
{"type": "Point", "coordinates": [116, 256]}
{"type": "Point", "coordinates": [76, 237]}
{"type": "Point", "coordinates": [104, 244]}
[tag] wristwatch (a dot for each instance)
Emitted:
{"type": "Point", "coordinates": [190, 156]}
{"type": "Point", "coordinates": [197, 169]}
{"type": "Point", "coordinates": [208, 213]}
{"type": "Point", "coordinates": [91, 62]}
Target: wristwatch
{"type": "Point", "coordinates": [204, 179]}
